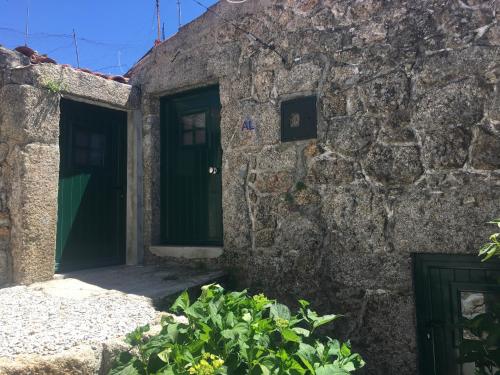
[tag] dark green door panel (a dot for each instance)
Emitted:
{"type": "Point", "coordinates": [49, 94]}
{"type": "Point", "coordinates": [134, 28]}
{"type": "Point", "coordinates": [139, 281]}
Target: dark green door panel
{"type": "Point", "coordinates": [443, 284]}
{"type": "Point", "coordinates": [191, 157]}
{"type": "Point", "coordinates": [92, 183]}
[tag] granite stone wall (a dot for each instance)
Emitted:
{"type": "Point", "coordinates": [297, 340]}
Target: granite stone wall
{"type": "Point", "coordinates": [407, 157]}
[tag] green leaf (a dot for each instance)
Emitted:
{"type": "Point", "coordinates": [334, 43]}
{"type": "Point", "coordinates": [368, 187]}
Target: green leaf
{"type": "Point", "coordinates": [264, 370]}
{"type": "Point", "coordinates": [290, 335]}
{"type": "Point", "coordinates": [278, 310]}
{"type": "Point", "coordinates": [345, 350]}
{"type": "Point", "coordinates": [132, 368]}
{"type": "Point", "coordinates": [301, 331]}
{"type": "Point", "coordinates": [182, 302]}
{"type": "Point", "coordinates": [164, 355]}
{"type": "Point", "coordinates": [303, 303]}
{"type": "Point", "coordinates": [134, 338]}
{"type": "Point", "coordinates": [306, 362]}
{"type": "Point", "coordinates": [325, 319]}
{"type": "Point", "coordinates": [331, 370]}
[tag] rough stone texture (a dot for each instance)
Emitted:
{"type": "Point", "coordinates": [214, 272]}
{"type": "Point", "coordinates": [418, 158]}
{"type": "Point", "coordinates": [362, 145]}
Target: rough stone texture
{"type": "Point", "coordinates": [79, 361]}
{"type": "Point", "coordinates": [406, 159]}
{"type": "Point", "coordinates": [29, 115]}
{"type": "Point", "coordinates": [11, 59]}
{"type": "Point", "coordinates": [76, 84]}
{"type": "Point", "coordinates": [33, 210]}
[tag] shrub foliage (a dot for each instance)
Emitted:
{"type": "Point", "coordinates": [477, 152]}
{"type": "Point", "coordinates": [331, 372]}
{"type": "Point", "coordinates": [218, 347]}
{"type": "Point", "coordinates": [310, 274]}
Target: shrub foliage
{"type": "Point", "coordinates": [235, 333]}
{"type": "Point", "coordinates": [492, 248]}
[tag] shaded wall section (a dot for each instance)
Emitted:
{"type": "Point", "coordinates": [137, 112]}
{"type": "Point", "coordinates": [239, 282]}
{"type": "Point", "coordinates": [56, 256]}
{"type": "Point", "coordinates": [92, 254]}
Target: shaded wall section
{"type": "Point", "coordinates": [406, 158]}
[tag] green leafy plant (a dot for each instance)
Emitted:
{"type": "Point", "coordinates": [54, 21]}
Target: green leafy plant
{"type": "Point", "coordinates": [53, 86]}
{"type": "Point", "coordinates": [492, 248]}
{"type": "Point", "coordinates": [235, 333]}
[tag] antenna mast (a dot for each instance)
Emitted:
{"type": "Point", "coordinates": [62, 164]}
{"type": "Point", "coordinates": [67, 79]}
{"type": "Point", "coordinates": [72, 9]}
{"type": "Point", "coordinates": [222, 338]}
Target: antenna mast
{"type": "Point", "coordinates": [179, 13]}
{"type": "Point", "coordinates": [76, 49]}
{"type": "Point", "coordinates": [158, 39]}
{"type": "Point", "coordinates": [26, 31]}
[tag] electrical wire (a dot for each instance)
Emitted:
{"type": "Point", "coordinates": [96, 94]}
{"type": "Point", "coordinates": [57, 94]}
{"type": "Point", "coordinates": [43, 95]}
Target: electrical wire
{"type": "Point", "coordinates": [70, 36]}
{"type": "Point", "coordinates": [239, 28]}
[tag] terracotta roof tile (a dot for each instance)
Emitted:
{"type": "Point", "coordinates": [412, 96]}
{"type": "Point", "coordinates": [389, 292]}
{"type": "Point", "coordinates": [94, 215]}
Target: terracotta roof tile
{"type": "Point", "coordinates": [36, 58]}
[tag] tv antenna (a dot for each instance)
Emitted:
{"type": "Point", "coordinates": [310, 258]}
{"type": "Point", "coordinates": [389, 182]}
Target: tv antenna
{"type": "Point", "coordinates": [158, 38]}
{"type": "Point", "coordinates": [179, 13]}
{"type": "Point", "coordinates": [26, 30]}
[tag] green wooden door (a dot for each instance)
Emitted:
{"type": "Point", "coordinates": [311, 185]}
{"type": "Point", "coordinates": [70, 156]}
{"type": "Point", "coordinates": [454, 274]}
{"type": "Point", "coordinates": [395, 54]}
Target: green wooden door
{"type": "Point", "coordinates": [92, 183]}
{"type": "Point", "coordinates": [191, 154]}
{"type": "Point", "coordinates": [449, 287]}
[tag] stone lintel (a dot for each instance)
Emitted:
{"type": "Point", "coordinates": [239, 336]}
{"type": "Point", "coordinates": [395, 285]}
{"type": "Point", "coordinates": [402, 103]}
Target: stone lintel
{"type": "Point", "coordinates": [77, 85]}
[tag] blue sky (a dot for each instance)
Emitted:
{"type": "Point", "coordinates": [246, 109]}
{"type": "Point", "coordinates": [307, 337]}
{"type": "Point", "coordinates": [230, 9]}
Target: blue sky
{"type": "Point", "coordinates": [112, 34]}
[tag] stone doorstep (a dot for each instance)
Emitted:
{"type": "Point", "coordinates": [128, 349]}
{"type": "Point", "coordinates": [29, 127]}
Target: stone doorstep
{"type": "Point", "coordinates": [188, 252]}
{"type": "Point", "coordinates": [97, 358]}
{"type": "Point", "coordinates": [83, 359]}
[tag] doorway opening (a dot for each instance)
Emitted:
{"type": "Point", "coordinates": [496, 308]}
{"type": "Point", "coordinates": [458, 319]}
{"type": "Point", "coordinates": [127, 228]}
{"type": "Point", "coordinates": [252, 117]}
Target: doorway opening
{"type": "Point", "coordinates": [92, 187]}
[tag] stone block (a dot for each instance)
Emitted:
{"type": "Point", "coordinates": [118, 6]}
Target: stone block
{"type": "Point", "coordinates": [33, 210]}
{"type": "Point", "coordinates": [447, 213]}
{"type": "Point", "coordinates": [304, 196]}
{"type": "Point", "coordinates": [264, 213]}
{"type": "Point", "coordinates": [4, 150]}
{"type": "Point", "coordinates": [351, 263]}
{"type": "Point", "coordinates": [387, 318]}
{"type": "Point", "coordinates": [396, 129]}
{"type": "Point", "coordinates": [265, 124]}
{"type": "Point", "coordinates": [351, 135]}
{"type": "Point", "coordinates": [333, 105]}
{"type": "Point", "coordinates": [385, 94]}
{"type": "Point", "coordinates": [456, 104]}
{"type": "Point", "coordinates": [4, 269]}
{"type": "Point", "coordinates": [445, 148]}
{"type": "Point", "coordinates": [331, 170]}
{"type": "Point", "coordinates": [393, 165]}
{"type": "Point", "coordinates": [264, 238]}
{"type": "Point", "coordinates": [485, 151]}
{"type": "Point", "coordinates": [273, 182]}
{"type": "Point", "coordinates": [78, 84]}
{"type": "Point", "coordinates": [281, 157]}
{"type": "Point", "coordinates": [29, 114]}
{"type": "Point", "coordinates": [4, 220]}
{"type": "Point", "coordinates": [11, 59]}
{"type": "Point", "coordinates": [300, 234]}
{"type": "Point", "coordinates": [236, 219]}
{"type": "Point", "coordinates": [301, 78]}
{"type": "Point", "coordinates": [355, 216]}
{"type": "Point", "coordinates": [262, 85]}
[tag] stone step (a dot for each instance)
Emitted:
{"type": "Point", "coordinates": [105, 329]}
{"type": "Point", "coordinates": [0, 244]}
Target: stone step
{"type": "Point", "coordinates": [75, 324]}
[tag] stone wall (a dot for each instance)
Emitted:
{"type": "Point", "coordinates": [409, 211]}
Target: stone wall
{"type": "Point", "coordinates": [406, 159]}
{"type": "Point", "coordinates": [8, 59]}
{"type": "Point", "coordinates": [29, 157]}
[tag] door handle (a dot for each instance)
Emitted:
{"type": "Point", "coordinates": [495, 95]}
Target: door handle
{"type": "Point", "coordinates": [213, 170]}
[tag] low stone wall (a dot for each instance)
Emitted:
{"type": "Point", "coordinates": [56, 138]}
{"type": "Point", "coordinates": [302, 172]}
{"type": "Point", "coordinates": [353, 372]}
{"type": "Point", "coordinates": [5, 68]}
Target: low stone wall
{"type": "Point", "coordinates": [29, 157]}
{"type": "Point", "coordinates": [406, 159]}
